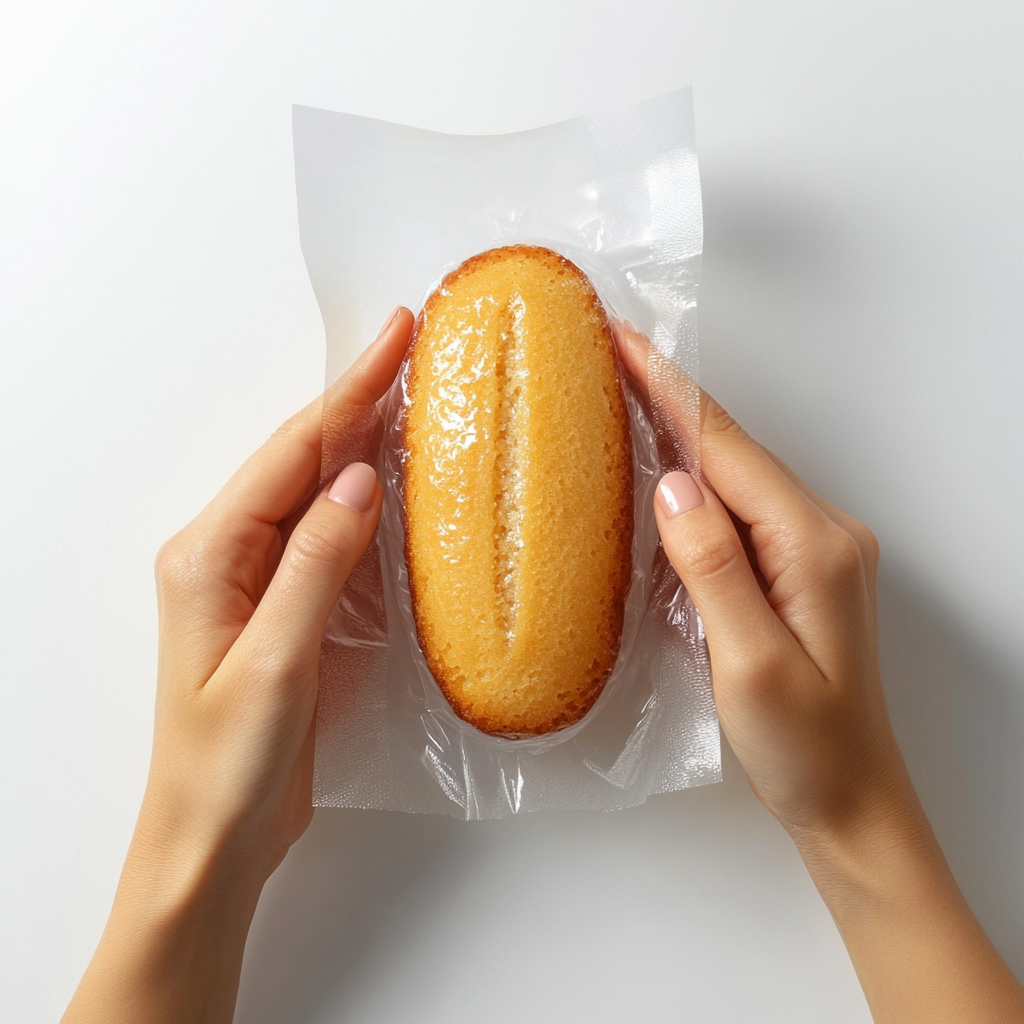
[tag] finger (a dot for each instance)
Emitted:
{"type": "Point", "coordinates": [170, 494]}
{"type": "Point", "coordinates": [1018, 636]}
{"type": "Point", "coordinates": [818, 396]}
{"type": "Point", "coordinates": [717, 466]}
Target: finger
{"type": "Point", "coordinates": [285, 630]}
{"type": "Point", "coordinates": [707, 554]}
{"type": "Point", "coordinates": [669, 397]}
{"type": "Point", "coordinates": [865, 539]}
{"type": "Point", "coordinates": [815, 568]}
{"type": "Point", "coordinates": [790, 532]}
{"type": "Point", "coordinates": [633, 349]}
{"type": "Point", "coordinates": [799, 545]}
{"type": "Point", "coordinates": [285, 471]}
{"type": "Point", "coordinates": [212, 575]}
{"type": "Point", "coordinates": [776, 513]}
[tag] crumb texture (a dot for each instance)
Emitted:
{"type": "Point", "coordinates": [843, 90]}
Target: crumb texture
{"type": "Point", "coordinates": [518, 491]}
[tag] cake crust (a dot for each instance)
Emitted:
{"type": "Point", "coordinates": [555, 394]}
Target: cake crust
{"type": "Point", "coordinates": [518, 491]}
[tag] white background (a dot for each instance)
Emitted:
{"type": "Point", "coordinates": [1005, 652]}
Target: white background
{"type": "Point", "coordinates": [861, 313]}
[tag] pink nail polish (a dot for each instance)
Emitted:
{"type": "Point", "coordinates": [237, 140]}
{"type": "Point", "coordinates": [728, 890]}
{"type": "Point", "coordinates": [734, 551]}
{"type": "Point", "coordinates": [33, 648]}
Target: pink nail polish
{"type": "Point", "coordinates": [355, 486]}
{"type": "Point", "coordinates": [678, 493]}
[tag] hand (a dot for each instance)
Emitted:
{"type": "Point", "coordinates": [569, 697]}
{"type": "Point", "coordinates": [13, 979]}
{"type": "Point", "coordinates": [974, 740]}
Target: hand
{"type": "Point", "coordinates": [244, 593]}
{"type": "Point", "coordinates": [785, 584]}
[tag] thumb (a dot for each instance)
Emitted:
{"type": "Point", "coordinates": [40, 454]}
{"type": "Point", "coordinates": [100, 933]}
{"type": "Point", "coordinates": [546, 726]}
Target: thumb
{"type": "Point", "coordinates": [707, 554]}
{"type": "Point", "coordinates": [322, 551]}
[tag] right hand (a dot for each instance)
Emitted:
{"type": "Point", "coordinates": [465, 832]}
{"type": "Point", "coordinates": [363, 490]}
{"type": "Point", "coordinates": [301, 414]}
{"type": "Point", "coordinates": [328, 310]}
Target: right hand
{"type": "Point", "coordinates": [785, 585]}
{"type": "Point", "coordinates": [786, 588]}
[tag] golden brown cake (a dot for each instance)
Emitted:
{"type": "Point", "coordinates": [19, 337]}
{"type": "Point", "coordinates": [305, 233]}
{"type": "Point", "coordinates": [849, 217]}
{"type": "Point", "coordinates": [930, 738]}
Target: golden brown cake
{"type": "Point", "coordinates": [518, 491]}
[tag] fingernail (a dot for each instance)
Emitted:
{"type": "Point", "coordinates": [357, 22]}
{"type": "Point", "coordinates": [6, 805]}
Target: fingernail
{"type": "Point", "coordinates": [390, 320]}
{"type": "Point", "coordinates": [355, 486]}
{"type": "Point", "coordinates": [678, 493]}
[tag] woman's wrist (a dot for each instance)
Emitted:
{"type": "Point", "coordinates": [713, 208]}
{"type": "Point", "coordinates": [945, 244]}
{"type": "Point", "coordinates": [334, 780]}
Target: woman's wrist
{"type": "Point", "coordinates": [172, 949]}
{"type": "Point", "coordinates": [187, 847]}
{"type": "Point", "coordinates": [877, 859]}
{"type": "Point", "coordinates": [918, 950]}
{"type": "Point", "coordinates": [868, 823]}
{"type": "Point", "coordinates": [169, 877]}
{"type": "Point", "coordinates": [872, 864]}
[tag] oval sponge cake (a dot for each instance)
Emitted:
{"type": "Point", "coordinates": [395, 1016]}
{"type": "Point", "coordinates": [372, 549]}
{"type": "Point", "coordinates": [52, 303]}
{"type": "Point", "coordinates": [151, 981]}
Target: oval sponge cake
{"type": "Point", "coordinates": [518, 491]}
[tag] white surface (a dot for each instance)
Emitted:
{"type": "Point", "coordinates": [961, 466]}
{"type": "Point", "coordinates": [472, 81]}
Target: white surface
{"type": "Point", "coordinates": [862, 169]}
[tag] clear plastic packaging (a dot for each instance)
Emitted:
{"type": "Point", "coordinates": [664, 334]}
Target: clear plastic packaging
{"type": "Point", "coordinates": [384, 212]}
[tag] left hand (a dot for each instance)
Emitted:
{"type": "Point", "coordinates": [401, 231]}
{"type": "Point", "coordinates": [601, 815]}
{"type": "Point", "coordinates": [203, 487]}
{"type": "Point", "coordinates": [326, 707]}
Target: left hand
{"type": "Point", "coordinates": [244, 593]}
{"type": "Point", "coordinates": [242, 608]}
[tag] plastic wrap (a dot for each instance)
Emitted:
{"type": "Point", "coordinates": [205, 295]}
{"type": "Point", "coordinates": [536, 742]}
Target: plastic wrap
{"type": "Point", "coordinates": [384, 212]}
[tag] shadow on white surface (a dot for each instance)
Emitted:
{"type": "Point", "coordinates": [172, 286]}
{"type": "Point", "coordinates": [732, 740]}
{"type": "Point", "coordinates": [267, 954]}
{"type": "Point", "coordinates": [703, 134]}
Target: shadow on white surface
{"type": "Point", "coordinates": [316, 931]}
{"type": "Point", "coordinates": [958, 715]}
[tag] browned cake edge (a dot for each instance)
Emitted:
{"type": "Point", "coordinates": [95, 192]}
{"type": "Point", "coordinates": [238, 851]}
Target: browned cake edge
{"type": "Point", "coordinates": [586, 700]}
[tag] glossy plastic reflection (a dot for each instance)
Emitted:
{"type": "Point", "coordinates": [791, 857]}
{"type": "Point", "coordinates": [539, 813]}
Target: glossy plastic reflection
{"type": "Point", "coordinates": [385, 212]}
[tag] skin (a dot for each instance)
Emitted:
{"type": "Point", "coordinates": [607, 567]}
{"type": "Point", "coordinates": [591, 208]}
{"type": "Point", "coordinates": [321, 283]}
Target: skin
{"type": "Point", "coordinates": [785, 584]}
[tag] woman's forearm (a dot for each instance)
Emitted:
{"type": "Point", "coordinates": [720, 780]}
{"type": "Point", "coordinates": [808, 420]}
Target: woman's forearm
{"type": "Point", "coordinates": [172, 948]}
{"type": "Point", "coordinates": [786, 587]}
{"type": "Point", "coordinates": [917, 948]}
{"type": "Point", "coordinates": [243, 592]}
